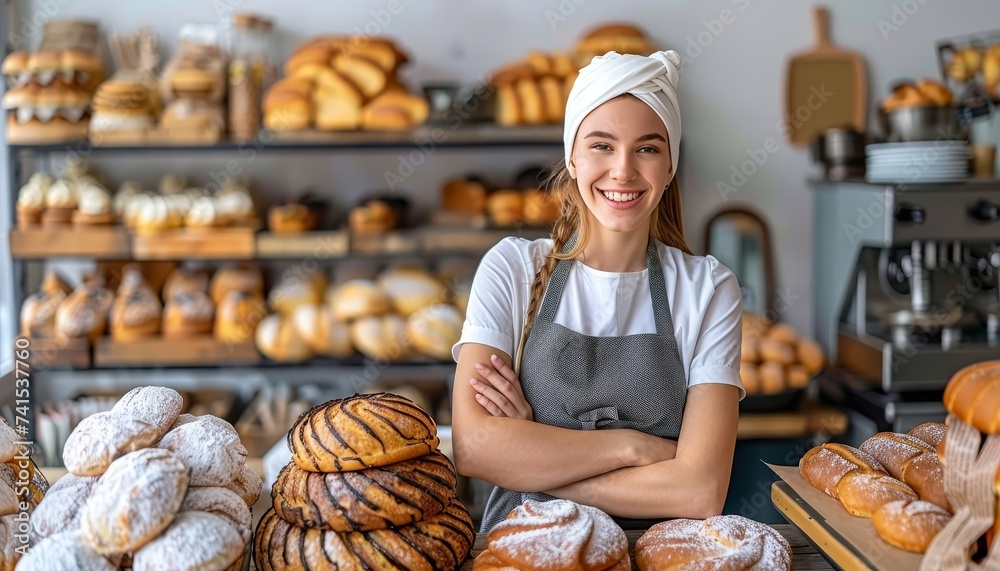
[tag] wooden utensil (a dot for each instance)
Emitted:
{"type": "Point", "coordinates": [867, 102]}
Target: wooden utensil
{"type": "Point", "coordinates": [824, 87]}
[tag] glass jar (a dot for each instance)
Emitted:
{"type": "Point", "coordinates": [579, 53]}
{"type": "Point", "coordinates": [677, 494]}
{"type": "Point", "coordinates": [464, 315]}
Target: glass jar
{"type": "Point", "coordinates": [251, 70]}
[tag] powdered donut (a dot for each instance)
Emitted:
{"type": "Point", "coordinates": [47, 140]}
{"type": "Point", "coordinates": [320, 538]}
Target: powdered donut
{"type": "Point", "coordinates": [8, 441]}
{"type": "Point", "coordinates": [195, 540]}
{"type": "Point", "coordinates": [159, 405]}
{"type": "Point", "coordinates": [248, 485]}
{"type": "Point", "coordinates": [210, 447]}
{"type": "Point", "coordinates": [61, 509]}
{"type": "Point", "coordinates": [134, 501]}
{"type": "Point", "coordinates": [64, 552]}
{"type": "Point", "coordinates": [101, 438]}
{"type": "Point", "coordinates": [558, 534]}
{"type": "Point", "coordinates": [722, 543]}
{"type": "Point", "coordinates": [223, 503]}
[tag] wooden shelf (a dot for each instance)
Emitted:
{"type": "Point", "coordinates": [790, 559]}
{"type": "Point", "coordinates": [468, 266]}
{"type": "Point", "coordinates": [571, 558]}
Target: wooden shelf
{"type": "Point", "coordinates": [163, 352]}
{"type": "Point", "coordinates": [319, 244]}
{"type": "Point", "coordinates": [186, 243]}
{"type": "Point", "coordinates": [55, 353]}
{"type": "Point", "coordinates": [107, 242]}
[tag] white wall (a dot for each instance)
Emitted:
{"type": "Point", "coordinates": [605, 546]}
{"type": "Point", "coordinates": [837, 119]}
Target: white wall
{"type": "Point", "coordinates": [731, 91]}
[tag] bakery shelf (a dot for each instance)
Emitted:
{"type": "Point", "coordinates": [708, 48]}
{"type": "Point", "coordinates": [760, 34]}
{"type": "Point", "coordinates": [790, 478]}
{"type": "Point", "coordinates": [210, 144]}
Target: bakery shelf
{"type": "Point", "coordinates": [321, 244]}
{"type": "Point", "coordinates": [164, 352]}
{"type": "Point", "coordinates": [110, 242]}
{"type": "Point", "coordinates": [185, 243]}
{"type": "Point", "coordinates": [428, 136]}
{"type": "Point", "coordinates": [49, 353]}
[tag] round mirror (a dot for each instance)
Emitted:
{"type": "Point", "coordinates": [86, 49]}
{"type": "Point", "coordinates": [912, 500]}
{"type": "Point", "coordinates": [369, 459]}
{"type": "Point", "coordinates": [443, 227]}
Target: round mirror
{"type": "Point", "coordinates": [739, 239]}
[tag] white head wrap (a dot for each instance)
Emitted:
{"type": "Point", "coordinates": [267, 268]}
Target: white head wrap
{"type": "Point", "coordinates": [652, 79]}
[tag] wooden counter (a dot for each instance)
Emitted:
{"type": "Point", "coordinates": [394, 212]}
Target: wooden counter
{"type": "Point", "coordinates": [804, 556]}
{"type": "Point", "coordinates": [809, 419]}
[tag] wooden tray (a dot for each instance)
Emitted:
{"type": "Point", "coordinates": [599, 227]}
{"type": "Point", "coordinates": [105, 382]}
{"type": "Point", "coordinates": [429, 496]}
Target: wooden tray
{"type": "Point", "coordinates": [188, 244]}
{"type": "Point", "coordinates": [107, 242]}
{"type": "Point", "coordinates": [850, 542]}
{"type": "Point", "coordinates": [55, 353]}
{"type": "Point", "coordinates": [320, 245]}
{"type": "Point", "coordinates": [162, 352]}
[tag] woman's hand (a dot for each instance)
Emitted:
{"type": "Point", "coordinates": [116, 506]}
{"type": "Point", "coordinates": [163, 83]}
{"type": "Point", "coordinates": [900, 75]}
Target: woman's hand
{"type": "Point", "coordinates": [501, 394]}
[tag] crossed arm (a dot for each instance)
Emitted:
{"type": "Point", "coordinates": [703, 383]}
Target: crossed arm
{"type": "Point", "coordinates": [624, 472]}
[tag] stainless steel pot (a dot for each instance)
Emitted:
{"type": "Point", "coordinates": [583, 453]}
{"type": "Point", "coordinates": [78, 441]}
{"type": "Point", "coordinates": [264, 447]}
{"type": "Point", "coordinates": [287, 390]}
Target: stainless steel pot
{"type": "Point", "coordinates": [926, 123]}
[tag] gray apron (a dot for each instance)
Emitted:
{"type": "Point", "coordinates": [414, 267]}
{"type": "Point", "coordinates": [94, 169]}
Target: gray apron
{"type": "Point", "coordinates": [582, 382]}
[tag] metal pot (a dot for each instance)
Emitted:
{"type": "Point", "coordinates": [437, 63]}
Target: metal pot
{"type": "Point", "coordinates": [924, 123]}
{"type": "Point", "coordinates": [841, 151]}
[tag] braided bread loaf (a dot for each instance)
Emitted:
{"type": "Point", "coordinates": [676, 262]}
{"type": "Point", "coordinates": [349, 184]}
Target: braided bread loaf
{"type": "Point", "coordinates": [375, 498]}
{"type": "Point", "coordinates": [359, 432]}
{"type": "Point", "coordinates": [587, 539]}
{"type": "Point", "coordinates": [721, 543]}
{"type": "Point", "coordinates": [856, 479]}
{"type": "Point", "coordinates": [438, 543]}
{"type": "Point", "coordinates": [913, 461]}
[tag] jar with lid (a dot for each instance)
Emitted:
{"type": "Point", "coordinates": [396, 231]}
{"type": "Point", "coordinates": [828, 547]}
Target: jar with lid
{"type": "Point", "coordinates": [251, 70]}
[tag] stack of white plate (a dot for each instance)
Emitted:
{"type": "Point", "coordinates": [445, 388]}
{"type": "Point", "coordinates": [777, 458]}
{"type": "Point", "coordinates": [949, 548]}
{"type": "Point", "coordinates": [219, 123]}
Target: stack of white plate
{"type": "Point", "coordinates": [918, 161]}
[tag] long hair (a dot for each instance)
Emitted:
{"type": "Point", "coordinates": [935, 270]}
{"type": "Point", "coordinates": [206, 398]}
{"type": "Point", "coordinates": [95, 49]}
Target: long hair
{"type": "Point", "coordinates": [666, 225]}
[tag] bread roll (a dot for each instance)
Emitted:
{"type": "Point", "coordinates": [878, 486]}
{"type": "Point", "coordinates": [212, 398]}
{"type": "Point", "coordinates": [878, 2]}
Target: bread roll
{"type": "Point", "coordinates": [506, 207]}
{"type": "Point", "coordinates": [930, 432]}
{"type": "Point", "coordinates": [101, 438]}
{"type": "Point", "coordinates": [540, 207]}
{"type": "Point", "coordinates": [441, 542]}
{"type": "Point", "coordinates": [238, 316]}
{"type": "Point", "coordinates": [362, 72]}
{"type": "Point", "coordinates": [508, 106]}
{"type": "Point", "coordinates": [297, 289]}
{"type": "Point", "coordinates": [184, 280]}
{"type": "Point", "coordinates": [360, 432]}
{"type": "Point", "coordinates": [194, 540]}
{"type": "Point", "coordinates": [277, 339]}
{"type": "Point", "coordinates": [464, 196]}
{"type": "Point", "coordinates": [973, 395]}
{"type": "Point", "coordinates": [910, 525]}
{"type": "Point", "coordinates": [435, 329]}
{"type": "Point", "coordinates": [530, 97]}
{"type": "Point", "coordinates": [798, 377]}
{"type": "Point", "coordinates": [913, 461]}
{"type": "Point", "coordinates": [750, 349]}
{"type": "Point", "coordinates": [776, 351]}
{"type": "Point", "coordinates": [223, 503]}
{"type": "Point", "coordinates": [210, 448]}
{"type": "Point", "coordinates": [188, 314]}
{"type": "Point", "coordinates": [414, 109]}
{"type": "Point", "coordinates": [783, 333]}
{"type": "Point", "coordinates": [553, 105]}
{"type": "Point", "coordinates": [134, 501]}
{"type": "Point", "coordinates": [61, 509]}
{"type": "Point", "coordinates": [810, 355]}
{"type": "Point", "coordinates": [245, 279]}
{"type": "Point", "coordinates": [382, 338]}
{"type": "Point", "coordinates": [247, 485]}
{"type": "Point", "coordinates": [772, 378]}
{"type": "Point", "coordinates": [358, 298]}
{"type": "Point", "coordinates": [62, 551]}
{"type": "Point", "coordinates": [410, 290]}
{"type": "Point", "coordinates": [824, 466]}
{"type": "Point", "coordinates": [587, 537]}
{"type": "Point", "coordinates": [863, 493]}
{"type": "Point", "coordinates": [38, 314]}
{"type": "Point", "coordinates": [84, 313]}
{"type": "Point", "coordinates": [719, 542]}
{"type": "Point", "coordinates": [374, 498]}
{"type": "Point", "coordinates": [322, 331]}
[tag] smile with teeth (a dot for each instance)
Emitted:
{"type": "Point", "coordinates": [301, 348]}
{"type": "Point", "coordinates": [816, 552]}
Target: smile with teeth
{"type": "Point", "coordinates": [621, 196]}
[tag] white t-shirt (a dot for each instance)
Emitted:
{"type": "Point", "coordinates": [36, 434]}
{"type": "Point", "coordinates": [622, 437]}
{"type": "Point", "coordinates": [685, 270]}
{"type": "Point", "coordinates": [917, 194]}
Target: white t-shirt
{"type": "Point", "coordinates": [705, 304]}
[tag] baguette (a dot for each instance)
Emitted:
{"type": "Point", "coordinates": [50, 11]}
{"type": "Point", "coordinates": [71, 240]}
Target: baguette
{"type": "Point", "coordinates": [913, 461]}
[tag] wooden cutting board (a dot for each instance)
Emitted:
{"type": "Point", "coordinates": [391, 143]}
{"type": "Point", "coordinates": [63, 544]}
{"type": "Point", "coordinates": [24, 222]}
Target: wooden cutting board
{"type": "Point", "coordinates": [824, 87]}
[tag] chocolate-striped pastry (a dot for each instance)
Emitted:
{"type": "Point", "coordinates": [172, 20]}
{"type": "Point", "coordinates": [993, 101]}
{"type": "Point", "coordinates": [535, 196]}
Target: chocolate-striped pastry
{"type": "Point", "coordinates": [439, 543]}
{"type": "Point", "coordinates": [360, 432]}
{"type": "Point", "coordinates": [375, 498]}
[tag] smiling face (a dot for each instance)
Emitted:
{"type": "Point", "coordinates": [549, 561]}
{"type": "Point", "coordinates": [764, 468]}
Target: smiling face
{"type": "Point", "coordinates": [621, 162]}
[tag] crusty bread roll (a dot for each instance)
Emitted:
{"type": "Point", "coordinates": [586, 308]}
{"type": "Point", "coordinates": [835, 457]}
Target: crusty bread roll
{"type": "Point", "coordinates": [441, 542]}
{"type": "Point", "coordinates": [325, 334]}
{"type": "Point", "coordinates": [84, 313]}
{"type": "Point", "coordinates": [223, 503]}
{"type": "Point", "coordinates": [183, 280]}
{"type": "Point", "coordinates": [382, 338]}
{"type": "Point", "coordinates": [358, 298]}
{"type": "Point", "coordinates": [530, 97]}
{"type": "Point", "coordinates": [247, 485]}
{"type": "Point", "coordinates": [136, 314]}
{"type": "Point", "coordinates": [61, 509]}
{"type": "Point", "coordinates": [277, 339]}
{"type": "Point", "coordinates": [508, 106]}
{"type": "Point", "coordinates": [296, 289]}
{"type": "Point", "coordinates": [863, 493]}
{"type": "Point", "coordinates": [386, 105]}
{"type": "Point", "coordinates": [194, 540]}
{"type": "Point", "coordinates": [719, 542]}
{"type": "Point", "coordinates": [750, 349]}
{"type": "Point", "coordinates": [210, 448]}
{"type": "Point", "coordinates": [776, 351]}
{"type": "Point", "coordinates": [773, 378]}
{"type": "Point", "coordinates": [973, 395]}
{"type": "Point", "coordinates": [930, 432]}
{"type": "Point", "coordinates": [188, 314]}
{"type": "Point", "coordinates": [435, 329]}
{"type": "Point", "coordinates": [783, 333]}
{"type": "Point", "coordinates": [506, 207]}
{"type": "Point", "coordinates": [362, 72]}
{"type": "Point", "coordinates": [913, 461]}
{"type": "Point", "coordinates": [245, 278]}
{"type": "Point", "coordinates": [374, 498]}
{"type": "Point", "coordinates": [360, 432]}
{"type": "Point", "coordinates": [134, 501]}
{"type": "Point", "coordinates": [237, 317]}
{"type": "Point", "coordinates": [588, 538]}
{"type": "Point", "coordinates": [410, 290]}
{"type": "Point", "coordinates": [464, 196]}
{"type": "Point", "coordinates": [38, 314]}
{"type": "Point", "coordinates": [852, 476]}
{"type": "Point", "coordinates": [810, 354]}
{"type": "Point", "coordinates": [910, 525]}
{"type": "Point", "coordinates": [65, 550]}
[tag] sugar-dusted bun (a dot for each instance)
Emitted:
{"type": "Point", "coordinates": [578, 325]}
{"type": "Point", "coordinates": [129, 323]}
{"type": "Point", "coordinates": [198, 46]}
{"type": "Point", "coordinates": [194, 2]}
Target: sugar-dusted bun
{"type": "Point", "coordinates": [101, 438]}
{"type": "Point", "coordinates": [374, 498]}
{"type": "Point", "coordinates": [410, 290]}
{"type": "Point", "coordinates": [322, 331]}
{"type": "Point", "coordinates": [728, 542]}
{"type": "Point", "coordinates": [134, 501]}
{"type": "Point", "coordinates": [360, 432]}
{"type": "Point", "coordinates": [930, 432]}
{"type": "Point", "coordinates": [973, 395]}
{"type": "Point", "coordinates": [223, 503]}
{"type": "Point", "coordinates": [63, 552]}
{"type": "Point", "coordinates": [382, 337]}
{"type": "Point", "coordinates": [359, 298]}
{"type": "Point", "coordinates": [248, 485]}
{"type": "Point", "coordinates": [435, 329]}
{"type": "Point", "coordinates": [588, 539]}
{"type": "Point", "coordinates": [441, 542]}
{"type": "Point", "coordinates": [824, 466]}
{"type": "Point", "coordinates": [61, 509]}
{"type": "Point", "coordinates": [210, 448]}
{"type": "Point", "coordinates": [195, 540]}
{"type": "Point", "coordinates": [158, 406]}
{"type": "Point", "coordinates": [863, 493]}
{"type": "Point", "coordinates": [910, 525]}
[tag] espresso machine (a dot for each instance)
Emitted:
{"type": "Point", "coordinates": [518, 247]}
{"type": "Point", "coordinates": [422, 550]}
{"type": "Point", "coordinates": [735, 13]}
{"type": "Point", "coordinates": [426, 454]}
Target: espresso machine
{"type": "Point", "coordinates": [907, 292]}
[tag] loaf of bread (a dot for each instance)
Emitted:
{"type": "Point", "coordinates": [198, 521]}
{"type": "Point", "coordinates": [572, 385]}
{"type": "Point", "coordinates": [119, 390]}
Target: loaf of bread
{"type": "Point", "coordinates": [930, 432]}
{"type": "Point", "coordinates": [506, 207]}
{"type": "Point", "coordinates": [410, 289]}
{"type": "Point", "coordinates": [277, 339]}
{"type": "Point", "coordinates": [973, 395]}
{"type": "Point", "coordinates": [588, 539]}
{"type": "Point", "coordinates": [237, 317]}
{"type": "Point", "coordinates": [187, 314]}
{"type": "Point", "coordinates": [912, 461]}
{"type": "Point", "coordinates": [441, 542]}
{"type": "Point", "coordinates": [382, 338]}
{"type": "Point", "coordinates": [84, 313]}
{"type": "Point", "coordinates": [435, 329]}
{"type": "Point", "coordinates": [244, 278]}
{"type": "Point", "coordinates": [360, 432]}
{"type": "Point", "coordinates": [464, 196]}
{"type": "Point", "coordinates": [910, 525]}
{"type": "Point", "coordinates": [326, 335]}
{"type": "Point", "coordinates": [855, 478]}
{"type": "Point", "coordinates": [374, 498]}
{"type": "Point", "coordinates": [719, 542]}
{"type": "Point", "coordinates": [358, 298]}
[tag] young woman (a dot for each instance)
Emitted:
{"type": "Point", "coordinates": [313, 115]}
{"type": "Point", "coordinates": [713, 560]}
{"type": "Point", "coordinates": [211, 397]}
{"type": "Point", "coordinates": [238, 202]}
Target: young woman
{"type": "Point", "coordinates": [602, 365]}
